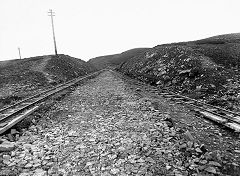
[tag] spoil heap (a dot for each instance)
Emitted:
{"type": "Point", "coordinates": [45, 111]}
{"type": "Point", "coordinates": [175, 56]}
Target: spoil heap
{"type": "Point", "coordinates": [20, 78]}
{"type": "Point", "coordinates": [206, 69]}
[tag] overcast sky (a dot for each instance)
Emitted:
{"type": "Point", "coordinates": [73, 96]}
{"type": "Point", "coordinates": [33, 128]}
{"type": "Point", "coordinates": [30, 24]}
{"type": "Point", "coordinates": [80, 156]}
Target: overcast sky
{"type": "Point", "coordinates": [91, 28]}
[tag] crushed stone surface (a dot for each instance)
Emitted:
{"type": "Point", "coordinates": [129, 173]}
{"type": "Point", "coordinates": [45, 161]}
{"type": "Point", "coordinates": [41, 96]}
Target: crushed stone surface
{"type": "Point", "coordinates": [105, 128]}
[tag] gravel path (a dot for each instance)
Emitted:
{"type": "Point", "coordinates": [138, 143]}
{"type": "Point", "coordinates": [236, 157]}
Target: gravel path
{"type": "Point", "coordinates": [106, 128]}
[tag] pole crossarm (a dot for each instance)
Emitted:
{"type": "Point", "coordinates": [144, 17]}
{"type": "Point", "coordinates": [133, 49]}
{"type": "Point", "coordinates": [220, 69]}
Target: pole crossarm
{"type": "Point", "coordinates": [52, 14]}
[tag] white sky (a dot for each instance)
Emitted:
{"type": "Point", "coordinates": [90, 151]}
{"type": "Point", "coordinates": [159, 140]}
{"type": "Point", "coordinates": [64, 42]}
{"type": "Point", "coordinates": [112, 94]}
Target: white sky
{"type": "Point", "coordinates": [91, 28]}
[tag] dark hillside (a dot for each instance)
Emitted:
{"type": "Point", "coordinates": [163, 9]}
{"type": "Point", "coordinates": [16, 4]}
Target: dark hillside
{"type": "Point", "coordinates": [101, 62]}
{"type": "Point", "coordinates": [206, 69]}
{"type": "Point", "coordinates": [115, 59]}
{"type": "Point", "coordinates": [20, 78]}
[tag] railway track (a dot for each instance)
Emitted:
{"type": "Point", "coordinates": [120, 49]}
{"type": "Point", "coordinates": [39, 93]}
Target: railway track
{"type": "Point", "coordinates": [11, 115]}
{"type": "Point", "coordinates": [217, 114]}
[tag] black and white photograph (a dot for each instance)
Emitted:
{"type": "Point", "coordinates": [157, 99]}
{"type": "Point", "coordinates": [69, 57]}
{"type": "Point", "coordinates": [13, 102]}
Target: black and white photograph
{"type": "Point", "coordinates": [119, 88]}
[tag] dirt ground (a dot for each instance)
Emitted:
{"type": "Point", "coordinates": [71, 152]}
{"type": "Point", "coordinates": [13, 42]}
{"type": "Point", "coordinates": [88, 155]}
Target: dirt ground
{"type": "Point", "coordinates": [110, 126]}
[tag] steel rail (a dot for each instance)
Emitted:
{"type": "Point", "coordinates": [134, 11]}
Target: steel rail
{"type": "Point", "coordinates": [36, 95]}
{"type": "Point", "coordinates": [206, 104]}
{"type": "Point", "coordinates": [32, 101]}
{"type": "Point", "coordinates": [228, 117]}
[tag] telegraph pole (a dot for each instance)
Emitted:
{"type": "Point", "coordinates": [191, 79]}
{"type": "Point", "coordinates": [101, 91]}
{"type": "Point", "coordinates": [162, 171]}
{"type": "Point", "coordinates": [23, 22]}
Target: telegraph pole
{"type": "Point", "coordinates": [19, 52]}
{"type": "Point", "coordinates": [52, 14]}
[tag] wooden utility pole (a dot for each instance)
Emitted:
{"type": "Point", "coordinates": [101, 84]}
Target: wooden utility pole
{"type": "Point", "coordinates": [52, 14]}
{"type": "Point", "coordinates": [19, 52]}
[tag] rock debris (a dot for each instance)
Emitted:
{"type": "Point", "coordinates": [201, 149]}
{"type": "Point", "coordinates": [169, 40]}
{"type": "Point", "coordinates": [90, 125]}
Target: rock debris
{"type": "Point", "coordinates": [104, 128]}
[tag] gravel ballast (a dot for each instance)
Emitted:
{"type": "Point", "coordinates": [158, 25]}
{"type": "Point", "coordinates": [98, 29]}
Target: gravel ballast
{"type": "Point", "coordinates": [107, 128]}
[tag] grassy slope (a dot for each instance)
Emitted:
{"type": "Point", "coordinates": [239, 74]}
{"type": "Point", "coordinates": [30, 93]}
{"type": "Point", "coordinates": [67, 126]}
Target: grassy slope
{"type": "Point", "coordinates": [223, 49]}
{"type": "Point", "coordinates": [115, 59]}
{"type": "Point", "coordinates": [28, 71]}
{"type": "Point", "coordinates": [20, 73]}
